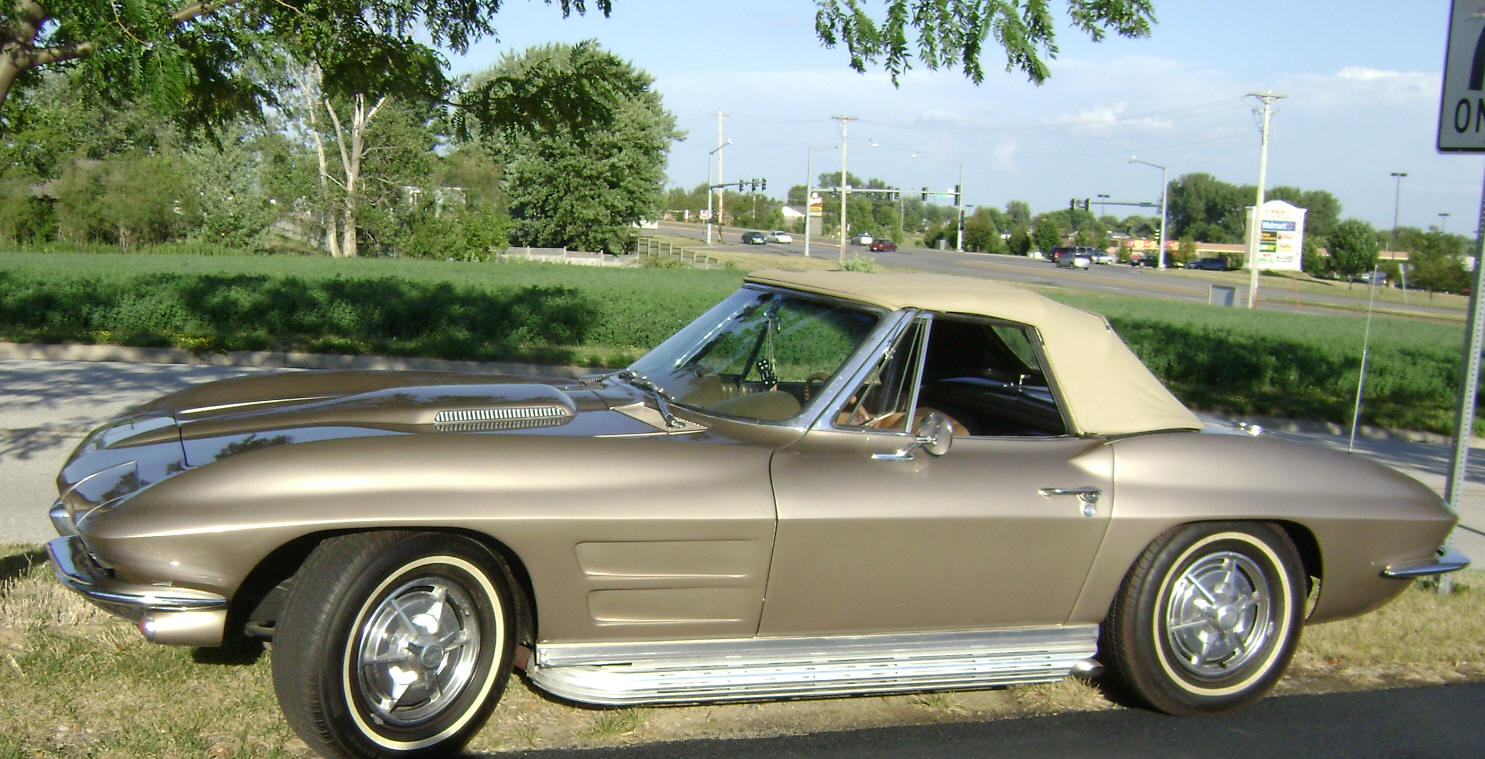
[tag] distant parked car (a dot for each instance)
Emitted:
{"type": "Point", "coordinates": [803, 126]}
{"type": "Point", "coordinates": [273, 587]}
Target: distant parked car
{"type": "Point", "coordinates": [1104, 257]}
{"type": "Point", "coordinates": [1378, 278]}
{"type": "Point", "coordinates": [1208, 264]}
{"type": "Point", "coordinates": [883, 246]}
{"type": "Point", "coordinates": [1072, 258]}
{"type": "Point", "coordinates": [754, 238]}
{"type": "Point", "coordinates": [861, 239]}
{"type": "Point", "coordinates": [1144, 260]}
{"type": "Point", "coordinates": [779, 235]}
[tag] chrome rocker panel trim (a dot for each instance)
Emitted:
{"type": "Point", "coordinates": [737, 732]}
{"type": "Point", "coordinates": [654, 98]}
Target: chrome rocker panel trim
{"type": "Point", "coordinates": [179, 616]}
{"type": "Point", "coordinates": [761, 668]}
{"type": "Point", "coordinates": [1446, 560]}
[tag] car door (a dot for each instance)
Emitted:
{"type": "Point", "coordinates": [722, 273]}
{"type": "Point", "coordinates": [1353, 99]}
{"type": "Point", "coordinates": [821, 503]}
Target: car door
{"type": "Point", "coordinates": [1000, 531]}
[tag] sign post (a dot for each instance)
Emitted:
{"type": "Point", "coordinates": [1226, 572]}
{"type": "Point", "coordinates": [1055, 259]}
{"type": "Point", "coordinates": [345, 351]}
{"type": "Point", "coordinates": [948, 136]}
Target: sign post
{"type": "Point", "coordinates": [1462, 129]}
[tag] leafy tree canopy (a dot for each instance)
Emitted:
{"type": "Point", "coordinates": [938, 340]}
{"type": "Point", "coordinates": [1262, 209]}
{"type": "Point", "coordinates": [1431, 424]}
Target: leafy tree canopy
{"type": "Point", "coordinates": [193, 58]}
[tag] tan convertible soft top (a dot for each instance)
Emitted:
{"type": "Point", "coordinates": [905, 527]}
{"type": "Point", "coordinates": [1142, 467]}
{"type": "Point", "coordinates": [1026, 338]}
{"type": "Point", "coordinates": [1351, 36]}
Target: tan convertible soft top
{"type": "Point", "coordinates": [1106, 389]}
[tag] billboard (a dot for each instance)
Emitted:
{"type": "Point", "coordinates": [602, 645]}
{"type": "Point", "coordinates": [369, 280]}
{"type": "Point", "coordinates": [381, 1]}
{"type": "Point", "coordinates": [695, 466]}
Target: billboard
{"type": "Point", "coordinates": [1281, 236]}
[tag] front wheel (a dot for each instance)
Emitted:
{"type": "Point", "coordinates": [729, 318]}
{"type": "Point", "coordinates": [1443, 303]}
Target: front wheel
{"type": "Point", "coordinates": [394, 644]}
{"type": "Point", "coordinates": [1207, 619]}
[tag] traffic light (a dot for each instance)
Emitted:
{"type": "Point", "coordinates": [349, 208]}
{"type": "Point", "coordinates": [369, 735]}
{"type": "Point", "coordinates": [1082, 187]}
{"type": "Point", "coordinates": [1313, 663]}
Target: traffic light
{"type": "Point", "coordinates": [958, 190]}
{"type": "Point", "coordinates": [763, 184]}
{"type": "Point", "coordinates": [739, 185]}
{"type": "Point", "coordinates": [924, 196]}
{"type": "Point", "coordinates": [753, 185]}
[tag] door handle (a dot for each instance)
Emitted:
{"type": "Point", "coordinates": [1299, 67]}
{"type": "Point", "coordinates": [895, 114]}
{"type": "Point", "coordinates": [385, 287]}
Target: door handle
{"type": "Point", "coordinates": [1087, 496]}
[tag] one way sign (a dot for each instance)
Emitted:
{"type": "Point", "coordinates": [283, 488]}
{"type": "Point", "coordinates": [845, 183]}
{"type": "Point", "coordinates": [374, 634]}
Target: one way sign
{"type": "Point", "coordinates": [1462, 106]}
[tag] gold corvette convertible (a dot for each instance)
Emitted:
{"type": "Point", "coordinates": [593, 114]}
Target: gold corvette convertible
{"type": "Point", "coordinates": [830, 483]}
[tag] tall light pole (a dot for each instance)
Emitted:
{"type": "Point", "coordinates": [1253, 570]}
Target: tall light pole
{"type": "Point", "coordinates": [1397, 177]}
{"type": "Point", "coordinates": [1267, 99]}
{"type": "Point", "coordinates": [1164, 197]}
{"type": "Point", "coordinates": [1443, 218]}
{"type": "Point", "coordinates": [710, 187]}
{"type": "Point", "coordinates": [844, 185]}
{"type": "Point", "coordinates": [1102, 210]}
{"type": "Point", "coordinates": [1402, 268]}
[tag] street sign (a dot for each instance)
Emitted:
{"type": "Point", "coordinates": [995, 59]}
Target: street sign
{"type": "Point", "coordinates": [706, 213]}
{"type": "Point", "coordinates": [1462, 104]}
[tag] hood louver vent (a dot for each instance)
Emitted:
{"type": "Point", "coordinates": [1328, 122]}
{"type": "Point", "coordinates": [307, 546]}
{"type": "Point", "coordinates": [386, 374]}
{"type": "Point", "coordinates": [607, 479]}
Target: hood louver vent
{"type": "Point", "coordinates": [470, 420]}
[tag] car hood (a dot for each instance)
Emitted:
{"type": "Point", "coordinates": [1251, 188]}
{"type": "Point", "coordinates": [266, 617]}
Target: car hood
{"type": "Point", "coordinates": [217, 420]}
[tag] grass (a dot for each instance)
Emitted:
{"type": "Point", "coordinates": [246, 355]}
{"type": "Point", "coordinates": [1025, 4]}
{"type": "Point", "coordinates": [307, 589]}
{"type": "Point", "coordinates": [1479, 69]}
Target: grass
{"type": "Point", "coordinates": [79, 683]}
{"type": "Point", "coordinates": [1265, 363]}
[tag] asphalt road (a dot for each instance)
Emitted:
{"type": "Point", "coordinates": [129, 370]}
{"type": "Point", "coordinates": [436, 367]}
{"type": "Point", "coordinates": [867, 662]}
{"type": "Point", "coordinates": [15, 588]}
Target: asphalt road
{"type": "Point", "coordinates": [1172, 284]}
{"type": "Point", "coordinates": [1434, 723]}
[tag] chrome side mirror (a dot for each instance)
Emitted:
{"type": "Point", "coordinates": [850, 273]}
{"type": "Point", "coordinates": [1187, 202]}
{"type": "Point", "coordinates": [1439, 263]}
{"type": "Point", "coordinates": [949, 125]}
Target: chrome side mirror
{"type": "Point", "coordinates": [934, 433]}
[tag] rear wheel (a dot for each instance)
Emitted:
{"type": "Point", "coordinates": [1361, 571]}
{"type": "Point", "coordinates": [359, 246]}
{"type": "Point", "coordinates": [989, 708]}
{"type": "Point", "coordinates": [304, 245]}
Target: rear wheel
{"type": "Point", "coordinates": [394, 644]}
{"type": "Point", "coordinates": [1207, 618]}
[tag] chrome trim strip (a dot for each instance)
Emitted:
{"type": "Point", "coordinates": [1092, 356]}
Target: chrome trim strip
{"type": "Point", "coordinates": [756, 668]}
{"type": "Point", "coordinates": [76, 572]}
{"type": "Point", "coordinates": [1445, 560]}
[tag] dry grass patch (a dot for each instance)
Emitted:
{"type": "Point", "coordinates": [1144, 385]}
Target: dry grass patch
{"type": "Point", "coordinates": [77, 683]}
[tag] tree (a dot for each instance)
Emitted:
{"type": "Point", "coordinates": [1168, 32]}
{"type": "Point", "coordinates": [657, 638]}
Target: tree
{"type": "Point", "coordinates": [1435, 263]}
{"type": "Point", "coordinates": [1353, 248]}
{"type": "Point", "coordinates": [980, 233]}
{"type": "Point", "coordinates": [1045, 235]}
{"type": "Point", "coordinates": [953, 34]}
{"type": "Point", "coordinates": [581, 183]}
{"type": "Point", "coordinates": [192, 57]}
{"type": "Point", "coordinates": [1205, 208]}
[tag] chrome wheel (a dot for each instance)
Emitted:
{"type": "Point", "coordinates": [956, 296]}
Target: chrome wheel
{"type": "Point", "coordinates": [417, 651]}
{"type": "Point", "coordinates": [1207, 618]}
{"type": "Point", "coordinates": [1218, 615]}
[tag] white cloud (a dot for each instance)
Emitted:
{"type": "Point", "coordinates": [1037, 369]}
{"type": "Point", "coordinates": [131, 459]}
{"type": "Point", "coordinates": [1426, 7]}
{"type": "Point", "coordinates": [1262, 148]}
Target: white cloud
{"type": "Point", "coordinates": [1357, 86]}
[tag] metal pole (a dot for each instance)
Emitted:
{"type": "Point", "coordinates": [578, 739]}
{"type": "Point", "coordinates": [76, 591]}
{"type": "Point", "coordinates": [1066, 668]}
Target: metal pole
{"type": "Point", "coordinates": [1164, 201]}
{"type": "Point", "coordinates": [809, 171]}
{"type": "Point", "coordinates": [721, 192]}
{"type": "Point", "coordinates": [959, 206]}
{"type": "Point", "coordinates": [844, 186]}
{"type": "Point", "coordinates": [1268, 99]}
{"type": "Point", "coordinates": [1464, 422]}
{"type": "Point", "coordinates": [1397, 177]}
{"type": "Point", "coordinates": [709, 198]}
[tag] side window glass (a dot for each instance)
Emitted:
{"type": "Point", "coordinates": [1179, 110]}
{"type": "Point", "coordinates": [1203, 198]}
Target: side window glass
{"type": "Point", "coordinates": [987, 378]}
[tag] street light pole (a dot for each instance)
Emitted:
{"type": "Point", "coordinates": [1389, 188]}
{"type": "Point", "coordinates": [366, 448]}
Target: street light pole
{"type": "Point", "coordinates": [1397, 177]}
{"type": "Point", "coordinates": [1102, 209]}
{"type": "Point", "coordinates": [1443, 219]}
{"type": "Point", "coordinates": [809, 173]}
{"type": "Point", "coordinates": [1164, 198]}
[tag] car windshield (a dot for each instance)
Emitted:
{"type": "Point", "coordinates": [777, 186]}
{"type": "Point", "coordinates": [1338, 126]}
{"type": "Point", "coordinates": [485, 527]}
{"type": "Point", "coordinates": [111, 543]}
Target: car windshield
{"type": "Point", "coordinates": [759, 354]}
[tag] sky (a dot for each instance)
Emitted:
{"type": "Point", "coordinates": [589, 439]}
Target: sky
{"type": "Point", "coordinates": [1361, 81]}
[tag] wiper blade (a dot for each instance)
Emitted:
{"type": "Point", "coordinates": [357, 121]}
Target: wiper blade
{"type": "Point", "coordinates": [662, 398]}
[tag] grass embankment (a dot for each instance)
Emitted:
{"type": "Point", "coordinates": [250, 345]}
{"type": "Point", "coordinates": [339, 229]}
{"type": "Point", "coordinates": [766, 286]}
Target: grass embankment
{"type": "Point", "coordinates": [1263, 363]}
{"type": "Point", "coordinates": [80, 683]}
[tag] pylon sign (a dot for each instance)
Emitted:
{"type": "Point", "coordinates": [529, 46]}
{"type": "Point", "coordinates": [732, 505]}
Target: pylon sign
{"type": "Point", "coordinates": [1462, 104]}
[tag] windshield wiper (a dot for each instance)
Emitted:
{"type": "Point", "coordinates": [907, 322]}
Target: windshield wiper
{"type": "Point", "coordinates": [662, 398]}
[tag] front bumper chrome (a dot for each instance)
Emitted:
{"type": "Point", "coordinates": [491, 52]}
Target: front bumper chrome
{"type": "Point", "coordinates": [179, 616]}
{"type": "Point", "coordinates": [1444, 561]}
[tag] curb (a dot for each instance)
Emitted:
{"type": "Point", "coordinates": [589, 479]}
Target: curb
{"type": "Point", "coordinates": [276, 360]}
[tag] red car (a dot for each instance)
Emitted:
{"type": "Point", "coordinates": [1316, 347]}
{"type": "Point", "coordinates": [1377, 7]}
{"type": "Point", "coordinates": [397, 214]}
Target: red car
{"type": "Point", "coordinates": [883, 246]}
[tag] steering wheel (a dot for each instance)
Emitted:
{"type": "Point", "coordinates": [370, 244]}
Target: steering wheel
{"type": "Point", "coordinates": [818, 378]}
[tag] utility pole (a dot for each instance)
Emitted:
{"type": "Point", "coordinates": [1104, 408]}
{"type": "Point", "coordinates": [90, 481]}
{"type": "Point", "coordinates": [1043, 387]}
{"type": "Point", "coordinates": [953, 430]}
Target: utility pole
{"type": "Point", "coordinates": [721, 192]}
{"type": "Point", "coordinates": [1268, 99]}
{"type": "Point", "coordinates": [843, 184]}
